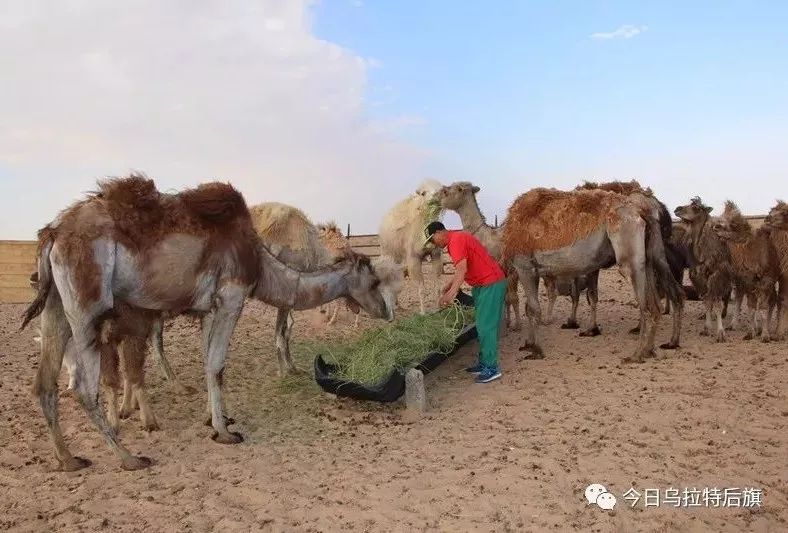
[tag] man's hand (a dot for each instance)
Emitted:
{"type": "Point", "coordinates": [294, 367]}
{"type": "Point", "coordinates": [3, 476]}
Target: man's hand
{"type": "Point", "coordinates": [447, 298]}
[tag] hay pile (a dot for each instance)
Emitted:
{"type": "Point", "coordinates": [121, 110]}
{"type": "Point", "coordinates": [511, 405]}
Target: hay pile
{"type": "Point", "coordinates": [372, 356]}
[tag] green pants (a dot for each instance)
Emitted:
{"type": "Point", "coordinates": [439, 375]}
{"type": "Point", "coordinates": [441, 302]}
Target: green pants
{"type": "Point", "coordinates": [488, 301]}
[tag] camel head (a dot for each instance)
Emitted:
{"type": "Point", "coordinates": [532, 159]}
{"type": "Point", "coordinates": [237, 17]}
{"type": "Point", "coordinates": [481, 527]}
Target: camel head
{"type": "Point", "coordinates": [365, 286]}
{"type": "Point", "coordinates": [391, 277]}
{"type": "Point", "coordinates": [428, 189]}
{"type": "Point", "coordinates": [777, 217]}
{"type": "Point", "coordinates": [731, 225]}
{"type": "Point", "coordinates": [457, 194]}
{"type": "Point", "coordinates": [693, 212]}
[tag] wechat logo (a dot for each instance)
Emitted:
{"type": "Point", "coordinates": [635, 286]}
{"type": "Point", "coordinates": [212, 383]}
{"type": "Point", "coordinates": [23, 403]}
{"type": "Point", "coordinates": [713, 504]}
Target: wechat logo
{"type": "Point", "coordinates": [597, 494]}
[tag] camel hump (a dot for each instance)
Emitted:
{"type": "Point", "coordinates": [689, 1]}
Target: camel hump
{"type": "Point", "coordinates": [215, 202]}
{"type": "Point", "coordinates": [136, 191]}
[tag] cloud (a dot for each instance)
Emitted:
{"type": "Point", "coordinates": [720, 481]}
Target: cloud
{"type": "Point", "coordinates": [627, 31]}
{"type": "Point", "coordinates": [239, 91]}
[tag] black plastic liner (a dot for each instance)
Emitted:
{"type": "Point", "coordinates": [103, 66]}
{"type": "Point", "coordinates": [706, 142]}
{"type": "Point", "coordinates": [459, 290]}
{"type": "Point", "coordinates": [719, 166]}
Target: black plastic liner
{"type": "Point", "coordinates": [391, 388]}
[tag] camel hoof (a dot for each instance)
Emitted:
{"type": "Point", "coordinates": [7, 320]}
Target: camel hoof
{"type": "Point", "coordinates": [765, 340]}
{"type": "Point", "coordinates": [74, 464]}
{"type": "Point", "coordinates": [720, 336]}
{"type": "Point", "coordinates": [151, 426]}
{"type": "Point", "coordinates": [593, 332]}
{"type": "Point", "coordinates": [295, 371]}
{"type": "Point", "coordinates": [704, 333]}
{"type": "Point", "coordinates": [747, 337]}
{"type": "Point", "coordinates": [136, 463]}
{"type": "Point", "coordinates": [670, 346]}
{"type": "Point", "coordinates": [570, 325]}
{"type": "Point", "coordinates": [125, 412]}
{"type": "Point", "coordinates": [535, 349]}
{"type": "Point", "coordinates": [635, 330]}
{"type": "Point", "coordinates": [229, 437]}
{"type": "Point", "coordinates": [227, 421]}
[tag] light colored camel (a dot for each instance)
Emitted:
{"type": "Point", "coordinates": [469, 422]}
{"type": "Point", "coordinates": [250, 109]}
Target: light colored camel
{"type": "Point", "coordinates": [332, 239]}
{"type": "Point", "coordinates": [461, 198]}
{"type": "Point", "coordinates": [401, 234]}
{"type": "Point", "coordinates": [196, 251]}
{"type": "Point", "coordinates": [572, 233]}
{"type": "Point", "coordinates": [755, 269]}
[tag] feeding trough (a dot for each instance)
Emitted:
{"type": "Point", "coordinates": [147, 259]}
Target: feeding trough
{"type": "Point", "coordinates": [390, 387]}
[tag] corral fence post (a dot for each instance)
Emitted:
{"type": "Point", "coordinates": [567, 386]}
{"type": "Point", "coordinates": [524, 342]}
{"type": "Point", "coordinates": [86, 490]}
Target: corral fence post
{"type": "Point", "coordinates": [348, 231]}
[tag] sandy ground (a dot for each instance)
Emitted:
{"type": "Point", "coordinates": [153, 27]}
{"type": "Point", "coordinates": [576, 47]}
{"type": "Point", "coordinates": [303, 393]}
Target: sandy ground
{"type": "Point", "coordinates": [515, 455]}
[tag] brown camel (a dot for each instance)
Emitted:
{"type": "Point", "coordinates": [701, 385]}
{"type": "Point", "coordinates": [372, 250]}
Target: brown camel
{"type": "Point", "coordinates": [573, 233]}
{"type": "Point", "coordinates": [776, 224]}
{"type": "Point", "coordinates": [755, 269]}
{"type": "Point", "coordinates": [712, 274]}
{"type": "Point", "coordinates": [461, 198]}
{"type": "Point", "coordinates": [195, 251]}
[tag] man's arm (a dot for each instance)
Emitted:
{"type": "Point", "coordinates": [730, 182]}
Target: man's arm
{"type": "Point", "coordinates": [460, 269]}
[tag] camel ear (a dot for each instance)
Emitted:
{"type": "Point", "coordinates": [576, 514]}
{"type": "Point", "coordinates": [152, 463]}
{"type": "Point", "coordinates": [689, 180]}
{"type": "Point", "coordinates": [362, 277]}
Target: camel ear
{"type": "Point", "coordinates": [708, 209]}
{"type": "Point", "coordinates": [475, 189]}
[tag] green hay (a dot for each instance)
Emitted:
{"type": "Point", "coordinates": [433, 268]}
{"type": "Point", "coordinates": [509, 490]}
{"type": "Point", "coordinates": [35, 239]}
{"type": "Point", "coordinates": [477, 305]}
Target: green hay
{"type": "Point", "coordinates": [372, 356]}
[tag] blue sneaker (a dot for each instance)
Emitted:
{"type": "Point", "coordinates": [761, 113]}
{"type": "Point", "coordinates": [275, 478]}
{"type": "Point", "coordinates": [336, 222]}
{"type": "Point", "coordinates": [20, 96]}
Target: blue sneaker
{"type": "Point", "coordinates": [488, 374]}
{"type": "Point", "coordinates": [475, 369]}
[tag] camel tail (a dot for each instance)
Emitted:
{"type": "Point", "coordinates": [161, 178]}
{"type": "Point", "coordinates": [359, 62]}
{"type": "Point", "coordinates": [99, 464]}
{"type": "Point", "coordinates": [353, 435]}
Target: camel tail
{"type": "Point", "coordinates": [43, 278]}
{"type": "Point", "coordinates": [660, 277]}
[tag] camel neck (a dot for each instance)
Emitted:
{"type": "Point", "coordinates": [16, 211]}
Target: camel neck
{"type": "Point", "coordinates": [282, 286]}
{"type": "Point", "coordinates": [471, 216]}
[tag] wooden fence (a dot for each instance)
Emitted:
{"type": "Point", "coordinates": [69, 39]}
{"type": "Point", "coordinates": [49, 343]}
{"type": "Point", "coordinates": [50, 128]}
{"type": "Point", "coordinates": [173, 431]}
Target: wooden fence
{"type": "Point", "coordinates": [18, 260]}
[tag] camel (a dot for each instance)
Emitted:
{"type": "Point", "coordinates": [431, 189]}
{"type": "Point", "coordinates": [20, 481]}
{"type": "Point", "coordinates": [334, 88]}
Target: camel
{"type": "Point", "coordinates": [755, 269]}
{"type": "Point", "coordinates": [712, 274]}
{"type": "Point", "coordinates": [401, 234]}
{"type": "Point", "coordinates": [121, 341]}
{"type": "Point", "coordinates": [776, 223]}
{"type": "Point", "coordinates": [572, 233]}
{"type": "Point", "coordinates": [461, 198]}
{"type": "Point", "coordinates": [194, 251]}
{"type": "Point", "coordinates": [673, 251]}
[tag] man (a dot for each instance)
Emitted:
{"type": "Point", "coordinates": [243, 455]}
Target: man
{"type": "Point", "coordinates": [474, 265]}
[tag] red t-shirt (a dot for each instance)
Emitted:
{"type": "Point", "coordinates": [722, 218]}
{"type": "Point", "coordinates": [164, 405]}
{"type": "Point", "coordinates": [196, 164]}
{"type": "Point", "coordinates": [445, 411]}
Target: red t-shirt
{"type": "Point", "coordinates": [482, 268]}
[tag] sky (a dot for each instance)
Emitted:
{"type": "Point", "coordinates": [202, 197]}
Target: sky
{"type": "Point", "coordinates": [342, 107]}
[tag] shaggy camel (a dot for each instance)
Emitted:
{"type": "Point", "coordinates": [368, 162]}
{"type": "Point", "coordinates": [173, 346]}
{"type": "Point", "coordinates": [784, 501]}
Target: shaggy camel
{"type": "Point", "coordinates": [573, 233]}
{"type": "Point", "coordinates": [712, 274]}
{"type": "Point", "coordinates": [461, 198]}
{"type": "Point", "coordinates": [776, 223]}
{"type": "Point", "coordinates": [755, 269]}
{"type": "Point", "coordinates": [401, 234]}
{"type": "Point", "coordinates": [194, 251]}
{"type": "Point", "coordinates": [121, 341]}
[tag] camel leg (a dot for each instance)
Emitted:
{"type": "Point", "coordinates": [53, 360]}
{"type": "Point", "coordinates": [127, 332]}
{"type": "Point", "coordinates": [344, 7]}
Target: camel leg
{"type": "Point", "coordinates": [738, 299]}
{"type": "Point", "coordinates": [129, 404]}
{"type": "Point", "coordinates": [132, 354]}
{"type": "Point", "coordinates": [355, 321]}
{"type": "Point", "coordinates": [157, 343]}
{"type": "Point", "coordinates": [110, 378]}
{"type": "Point", "coordinates": [222, 324]}
{"type": "Point", "coordinates": [575, 296]}
{"type": "Point", "coordinates": [55, 334]}
{"type": "Point", "coordinates": [782, 308]}
{"type": "Point", "coordinates": [708, 325]}
{"type": "Point", "coordinates": [283, 331]}
{"type": "Point", "coordinates": [552, 295]}
{"type": "Point", "coordinates": [592, 294]}
{"type": "Point", "coordinates": [530, 282]}
{"type": "Point", "coordinates": [717, 309]}
{"type": "Point", "coordinates": [334, 313]}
